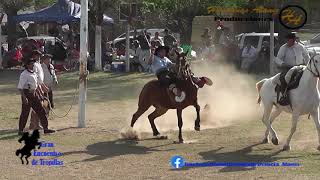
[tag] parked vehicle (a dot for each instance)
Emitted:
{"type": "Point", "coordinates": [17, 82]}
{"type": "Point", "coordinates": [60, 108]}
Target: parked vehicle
{"type": "Point", "coordinates": [255, 38]}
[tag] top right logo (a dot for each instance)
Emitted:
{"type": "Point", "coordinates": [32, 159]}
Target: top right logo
{"type": "Point", "coordinates": [293, 17]}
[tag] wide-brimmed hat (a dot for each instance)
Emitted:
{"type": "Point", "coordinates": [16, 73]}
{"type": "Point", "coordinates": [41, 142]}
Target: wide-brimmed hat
{"type": "Point", "coordinates": [291, 36]}
{"type": "Point", "coordinates": [45, 56]}
{"type": "Point", "coordinates": [161, 48]}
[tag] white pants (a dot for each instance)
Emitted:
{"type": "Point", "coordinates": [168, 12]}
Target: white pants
{"type": "Point", "coordinates": [144, 57]}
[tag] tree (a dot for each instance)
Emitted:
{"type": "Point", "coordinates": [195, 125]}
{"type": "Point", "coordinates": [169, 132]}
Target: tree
{"type": "Point", "coordinates": [11, 8]}
{"type": "Point", "coordinates": [97, 9]}
{"type": "Point", "coordinates": [40, 4]}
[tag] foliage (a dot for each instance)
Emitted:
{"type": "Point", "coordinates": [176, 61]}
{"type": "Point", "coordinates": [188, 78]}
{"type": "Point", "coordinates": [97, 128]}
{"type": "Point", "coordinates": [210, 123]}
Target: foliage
{"type": "Point", "coordinates": [40, 4]}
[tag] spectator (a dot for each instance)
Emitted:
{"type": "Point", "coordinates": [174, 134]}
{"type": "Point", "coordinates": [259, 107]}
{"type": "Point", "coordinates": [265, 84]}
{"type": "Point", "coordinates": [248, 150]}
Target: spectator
{"type": "Point", "coordinates": [91, 62]}
{"type": "Point", "coordinates": [18, 54]}
{"type": "Point", "coordinates": [109, 53]}
{"type": "Point", "coordinates": [205, 37]}
{"type": "Point", "coordinates": [248, 56]}
{"type": "Point", "coordinates": [145, 46]}
{"type": "Point", "coordinates": [157, 38]}
{"type": "Point", "coordinates": [261, 65]}
{"type": "Point", "coordinates": [218, 32]}
{"type": "Point", "coordinates": [168, 39]}
{"type": "Point", "coordinates": [135, 52]}
{"type": "Point", "coordinates": [50, 78]}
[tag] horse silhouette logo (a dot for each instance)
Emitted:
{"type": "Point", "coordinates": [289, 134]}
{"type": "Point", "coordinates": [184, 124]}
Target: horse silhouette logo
{"type": "Point", "coordinates": [293, 17]}
{"type": "Point", "coordinates": [30, 143]}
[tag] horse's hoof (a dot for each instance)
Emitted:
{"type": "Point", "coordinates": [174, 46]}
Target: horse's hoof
{"type": "Point", "coordinates": [161, 137]}
{"type": "Point", "coordinates": [156, 134]}
{"type": "Point", "coordinates": [275, 141]}
{"type": "Point", "coordinates": [265, 141]}
{"type": "Point", "coordinates": [197, 128]}
{"type": "Point", "coordinates": [286, 148]}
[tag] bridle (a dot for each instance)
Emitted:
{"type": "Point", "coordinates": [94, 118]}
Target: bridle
{"type": "Point", "coordinates": [184, 69]}
{"type": "Point", "coordinates": [312, 62]}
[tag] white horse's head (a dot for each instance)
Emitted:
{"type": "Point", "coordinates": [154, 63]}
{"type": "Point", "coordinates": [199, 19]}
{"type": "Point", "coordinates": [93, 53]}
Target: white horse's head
{"type": "Point", "coordinates": [314, 64]}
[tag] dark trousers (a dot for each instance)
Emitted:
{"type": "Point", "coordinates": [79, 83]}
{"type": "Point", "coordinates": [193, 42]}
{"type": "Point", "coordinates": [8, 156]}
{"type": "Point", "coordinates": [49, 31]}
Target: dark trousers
{"type": "Point", "coordinates": [35, 104]}
{"type": "Point", "coordinates": [166, 78]}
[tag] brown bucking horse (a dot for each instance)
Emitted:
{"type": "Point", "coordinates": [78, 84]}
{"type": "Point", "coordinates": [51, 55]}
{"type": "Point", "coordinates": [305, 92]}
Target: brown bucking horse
{"type": "Point", "coordinates": [153, 94]}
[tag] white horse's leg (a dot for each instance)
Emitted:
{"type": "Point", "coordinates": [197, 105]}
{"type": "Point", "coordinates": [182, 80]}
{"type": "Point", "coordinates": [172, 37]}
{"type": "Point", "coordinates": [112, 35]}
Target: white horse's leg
{"type": "Point", "coordinates": [295, 118]}
{"type": "Point", "coordinates": [315, 117]}
{"type": "Point", "coordinates": [267, 123]}
{"type": "Point", "coordinates": [273, 116]}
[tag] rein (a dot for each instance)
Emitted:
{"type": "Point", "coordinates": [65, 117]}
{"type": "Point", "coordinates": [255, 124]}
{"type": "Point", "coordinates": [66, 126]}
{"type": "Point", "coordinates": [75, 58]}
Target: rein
{"type": "Point", "coordinates": [317, 74]}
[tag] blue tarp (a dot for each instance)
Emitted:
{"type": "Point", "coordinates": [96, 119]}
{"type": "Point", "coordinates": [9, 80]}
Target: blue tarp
{"type": "Point", "coordinates": [64, 11]}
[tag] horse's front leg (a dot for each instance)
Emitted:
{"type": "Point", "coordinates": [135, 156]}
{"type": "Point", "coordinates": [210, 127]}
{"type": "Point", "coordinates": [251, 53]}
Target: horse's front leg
{"type": "Point", "coordinates": [315, 117]}
{"type": "Point", "coordinates": [180, 123]}
{"type": "Point", "coordinates": [295, 118]}
{"type": "Point", "coordinates": [197, 121]}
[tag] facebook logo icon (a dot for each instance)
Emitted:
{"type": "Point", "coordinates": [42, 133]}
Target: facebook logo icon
{"type": "Point", "coordinates": [177, 162]}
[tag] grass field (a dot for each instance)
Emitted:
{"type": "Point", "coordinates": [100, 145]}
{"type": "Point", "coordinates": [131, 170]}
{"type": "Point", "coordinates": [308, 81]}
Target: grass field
{"type": "Point", "coordinates": [96, 152]}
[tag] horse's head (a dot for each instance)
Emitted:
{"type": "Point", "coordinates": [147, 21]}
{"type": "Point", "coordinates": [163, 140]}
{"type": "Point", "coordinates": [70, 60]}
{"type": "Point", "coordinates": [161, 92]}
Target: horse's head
{"type": "Point", "coordinates": [181, 57]}
{"type": "Point", "coordinates": [314, 64]}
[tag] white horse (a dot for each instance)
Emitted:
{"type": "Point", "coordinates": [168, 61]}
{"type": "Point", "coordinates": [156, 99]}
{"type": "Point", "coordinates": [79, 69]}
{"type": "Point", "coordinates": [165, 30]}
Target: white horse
{"type": "Point", "coordinates": [304, 100]}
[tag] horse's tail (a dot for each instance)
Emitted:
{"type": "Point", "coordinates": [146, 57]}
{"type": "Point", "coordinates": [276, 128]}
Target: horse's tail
{"type": "Point", "coordinates": [259, 86]}
{"type": "Point", "coordinates": [18, 152]}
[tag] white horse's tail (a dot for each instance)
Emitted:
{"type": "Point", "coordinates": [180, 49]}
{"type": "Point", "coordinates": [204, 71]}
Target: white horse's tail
{"type": "Point", "coordinates": [259, 86]}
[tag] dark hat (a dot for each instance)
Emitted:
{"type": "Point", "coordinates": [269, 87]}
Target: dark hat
{"type": "Point", "coordinates": [28, 61]}
{"type": "Point", "coordinates": [45, 56]}
{"type": "Point", "coordinates": [161, 48]}
{"type": "Point", "coordinates": [291, 36]}
{"type": "Point", "coordinates": [36, 52]}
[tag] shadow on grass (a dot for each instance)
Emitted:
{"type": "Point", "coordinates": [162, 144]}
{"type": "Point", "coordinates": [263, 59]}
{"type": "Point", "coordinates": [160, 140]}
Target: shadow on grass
{"type": "Point", "coordinates": [241, 155]}
{"type": "Point", "coordinates": [109, 149]}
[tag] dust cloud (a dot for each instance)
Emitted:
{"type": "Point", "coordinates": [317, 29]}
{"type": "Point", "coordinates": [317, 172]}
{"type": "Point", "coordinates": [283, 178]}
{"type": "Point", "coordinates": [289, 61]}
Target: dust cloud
{"type": "Point", "coordinates": [231, 99]}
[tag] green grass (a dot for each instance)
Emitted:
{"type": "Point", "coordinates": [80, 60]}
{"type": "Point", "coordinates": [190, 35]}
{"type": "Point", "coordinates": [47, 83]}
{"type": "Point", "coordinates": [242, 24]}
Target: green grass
{"type": "Point", "coordinates": [96, 152]}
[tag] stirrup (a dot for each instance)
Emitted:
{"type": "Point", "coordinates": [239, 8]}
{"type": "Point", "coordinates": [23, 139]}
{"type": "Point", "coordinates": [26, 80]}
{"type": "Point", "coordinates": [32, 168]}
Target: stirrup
{"type": "Point", "coordinates": [180, 98]}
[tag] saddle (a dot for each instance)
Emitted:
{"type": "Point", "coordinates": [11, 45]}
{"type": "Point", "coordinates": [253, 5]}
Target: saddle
{"type": "Point", "coordinates": [284, 87]}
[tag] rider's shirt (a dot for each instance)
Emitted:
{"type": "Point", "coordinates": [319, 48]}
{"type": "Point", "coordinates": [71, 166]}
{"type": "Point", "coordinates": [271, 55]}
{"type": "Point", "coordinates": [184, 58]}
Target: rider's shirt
{"type": "Point", "coordinates": [292, 56]}
{"type": "Point", "coordinates": [28, 80]}
{"type": "Point", "coordinates": [160, 64]}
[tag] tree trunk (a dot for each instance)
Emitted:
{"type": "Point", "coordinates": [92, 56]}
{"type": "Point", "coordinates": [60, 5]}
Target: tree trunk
{"type": "Point", "coordinates": [98, 62]}
{"type": "Point", "coordinates": [12, 32]}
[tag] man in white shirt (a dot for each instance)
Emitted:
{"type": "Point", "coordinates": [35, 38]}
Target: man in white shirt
{"type": "Point", "coordinates": [28, 85]}
{"type": "Point", "coordinates": [50, 78]}
{"type": "Point", "coordinates": [248, 56]}
{"type": "Point", "coordinates": [291, 54]}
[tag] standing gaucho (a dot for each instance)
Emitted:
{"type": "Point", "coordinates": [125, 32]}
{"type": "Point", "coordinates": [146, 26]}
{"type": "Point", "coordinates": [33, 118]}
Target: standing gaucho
{"type": "Point", "coordinates": [30, 88]}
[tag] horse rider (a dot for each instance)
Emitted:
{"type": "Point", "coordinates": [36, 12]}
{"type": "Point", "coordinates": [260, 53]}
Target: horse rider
{"type": "Point", "coordinates": [161, 66]}
{"type": "Point", "coordinates": [28, 85]}
{"type": "Point", "coordinates": [290, 54]}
